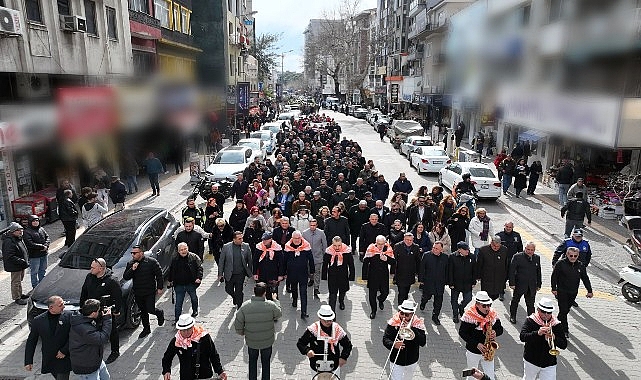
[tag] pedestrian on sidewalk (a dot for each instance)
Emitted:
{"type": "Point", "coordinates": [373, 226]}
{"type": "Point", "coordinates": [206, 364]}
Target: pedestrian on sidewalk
{"type": "Point", "coordinates": [93, 210]}
{"type": "Point", "coordinates": [577, 210]}
{"type": "Point", "coordinates": [338, 270]}
{"type": "Point", "coordinates": [15, 256]}
{"type": "Point", "coordinates": [68, 215]}
{"type": "Point", "coordinates": [185, 275]}
{"type": "Point", "coordinates": [255, 321]}
{"type": "Point", "coordinates": [433, 277]}
{"type": "Point", "coordinates": [234, 266]}
{"type": "Point", "coordinates": [196, 352]}
{"type": "Point", "coordinates": [564, 177]}
{"type": "Point", "coordinates": [507, 167]}
{"type": "Point", "coordinates": [89, 332]}
{"type": "Point", "coordinates": [154, 168]}
{"type": "Point", "coordinates": [130, 171]}
{"type": "Point", "coordinates": [521, 172]}
{"type": "Point", "coordinates": [536, 170]}
{"type": "Point", "coordinates": [566, 275]}
{"type": "Point", "coordinates": [100, 284]}
{"type": "Point", "coordinates": [36, 239]}
{"type": "Point", "coordinates": [317, 240]}
{"type": "Point", "coordinates": [405, 351]}
{"type": "Point", "coordinates": [460, 278]}
{"type": "Point", "coordinates": [117, 193]}
{"type": "Point", "coordinates": [525, 279]}
{"type": "Point", "coordinates": [52, 328]}
{"type": "Point", "coordinates": [147, 283]}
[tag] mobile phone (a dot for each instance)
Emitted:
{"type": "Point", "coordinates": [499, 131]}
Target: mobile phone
{"type": "Point", "coordinates": [468, 372]}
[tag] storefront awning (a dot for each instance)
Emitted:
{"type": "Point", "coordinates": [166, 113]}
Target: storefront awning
{"type": "Point", "coordinates": [532, 135]}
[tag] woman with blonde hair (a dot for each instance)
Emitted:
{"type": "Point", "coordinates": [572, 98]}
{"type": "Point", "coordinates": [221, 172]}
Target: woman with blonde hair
{"type": "Point", "coordinates": [446, 209]}
{"type": "Point", "coordinates": [439, 233]}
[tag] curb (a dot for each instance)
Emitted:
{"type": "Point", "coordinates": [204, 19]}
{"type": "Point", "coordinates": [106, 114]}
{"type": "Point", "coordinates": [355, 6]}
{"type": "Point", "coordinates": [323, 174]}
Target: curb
{"type": "Point", "coordinates": [12, 330]}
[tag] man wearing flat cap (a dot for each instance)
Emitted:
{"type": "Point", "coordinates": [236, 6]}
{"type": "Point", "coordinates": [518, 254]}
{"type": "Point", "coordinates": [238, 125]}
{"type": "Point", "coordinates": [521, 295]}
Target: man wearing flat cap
{"type": "Point", "coordinates": [16, 260]}
{"type": "Point", "coordinates": [460, 278]}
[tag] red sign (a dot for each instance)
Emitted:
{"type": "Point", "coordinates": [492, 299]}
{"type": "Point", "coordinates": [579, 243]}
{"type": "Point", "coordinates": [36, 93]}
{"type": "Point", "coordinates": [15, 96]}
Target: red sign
{"type": "Point", "coordinates": [86, 111]}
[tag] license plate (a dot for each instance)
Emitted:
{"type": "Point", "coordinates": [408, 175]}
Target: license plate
{"type": "Point", "coordinates": [437, 162]}
{"type": "Point", "coordinates": [485, 186]}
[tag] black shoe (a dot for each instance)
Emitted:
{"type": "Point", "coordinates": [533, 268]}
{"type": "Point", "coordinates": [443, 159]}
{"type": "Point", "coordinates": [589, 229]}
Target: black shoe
{"type": "Point", "coordinates": [304, 315]}
{"type": "Point", "coordinates": [112, 357]}
{"type": "Point", "coordinates": [455, 319]}
{"type": "Point", "coordinates": [574, 304]}
{"type": "Point", "coordinates": [153, 194]}
{"type": "Point", "coordinates": [289, 289]}
{"type": "Point", "coordinates": [341, 306]}
{"type": "Point", "coordinates": [501, 297]}
{"type": "Point", "coordinates": [436, 320]}
{"type": "Point", "coordinates": [513, 320]}
{"type": "Point", "coordinates": [20, 301]}
{"type": "Point", "coordinates": [144, 333]}
{"type": "Point", "coordinates": [158, 193]}
{"type": "Point", "coordinates": [372, 315]}
{"type": "Point", "coordinates": [194, 314]}
{"type": "Point", "coordinates": [310, 283]}
{"type": "Point", "coordinates": [24, 297]}
{"type": "Point", "coordinates": [294, 303]}
{"type": "Point", "coordinates": [161, 317]}
{"type": "Point", "coordinates": [422, 306]}
{"type": "Point", "coordinates": [381, 305]}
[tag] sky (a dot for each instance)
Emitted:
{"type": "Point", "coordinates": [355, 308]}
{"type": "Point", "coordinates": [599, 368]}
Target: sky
{"type": "Point", "coordinates": [291, 17]}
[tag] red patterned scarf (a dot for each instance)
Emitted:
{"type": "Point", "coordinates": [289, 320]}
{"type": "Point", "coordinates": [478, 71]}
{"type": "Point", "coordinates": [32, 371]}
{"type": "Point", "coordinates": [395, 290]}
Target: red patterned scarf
{"type": "Point", "coordinates": [274, 247]}
{"type": "Point", "coordinates": [337, 333]}
{"type": "Point", "coordinates": [305, 246]}
{"type": "Point", "coordinates": [472, 315]}
{"type": "Point", "coordinates": [539, 321]}
{"type": "Point", "coordinates": [373, 250]}
{"type": "Point", "coordinates": [417, 322]}
{"type": "Point", "coordinates": [183, 342]}
{"type": "Point", "coordinates": [338, 253]}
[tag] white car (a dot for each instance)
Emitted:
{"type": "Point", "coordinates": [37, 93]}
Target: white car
{"type": "Point", "coordinates": [371, 116]}
{"type": "Point", "coordinates": [360, 113]}
{"type": "Point", "coordinates": [268, 139]}
{"type": "Point", "coordinates": [256, 144]}
{"type": "Point", "coordinates": [274, 127]}
{"type": "Point", "coordinates": [486, 182]}
{"type": "Point", "coordinates": [413, 142]}
{"type": "Point", "coordinates": [429, 159]}
{"type": "Point", "coordinates": [229, 162]}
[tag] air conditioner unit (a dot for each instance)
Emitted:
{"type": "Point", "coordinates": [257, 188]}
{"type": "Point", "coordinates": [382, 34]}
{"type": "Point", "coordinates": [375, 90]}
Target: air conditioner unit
{"type": "Point", "coordinates": [32, 86]}
{"type": "Point", "coordinates": [10, 22]}
{"type": "Point", "coordinates": [73, 23]}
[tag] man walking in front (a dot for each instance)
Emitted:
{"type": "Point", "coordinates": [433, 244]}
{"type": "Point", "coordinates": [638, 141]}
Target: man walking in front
{"type": "Point", "coordinates": [492, 267]}
{"type": "Point", "coordinates": [185, 275]}
{"type": "Point", "coordinates": [87, 337]}
{"type": "Point", "coordinates": [433, 276]}
{"type": "Point", "coordinates": [406, 265]}
{"type": "Point", "coordinates": [460, 278]}
{"type": "Point", "coordinates": [577, 210]}
{"type": "Point", "coordinates": [299, 266]}
{"type": "Point", "coordinates": [234, 266]}
{"type": "Point", "coordinates": [15, 258]}
{"type": "Point", "coordinates": [255, 320]}
{"type": "Point", "coordinates": [525, 279]}
{"type": "Point", "coordinates": [147, 282]}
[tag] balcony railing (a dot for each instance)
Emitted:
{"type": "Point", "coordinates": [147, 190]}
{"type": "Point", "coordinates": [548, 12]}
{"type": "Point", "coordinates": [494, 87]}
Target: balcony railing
{"type": "Point", "coordinates": [144, 18]}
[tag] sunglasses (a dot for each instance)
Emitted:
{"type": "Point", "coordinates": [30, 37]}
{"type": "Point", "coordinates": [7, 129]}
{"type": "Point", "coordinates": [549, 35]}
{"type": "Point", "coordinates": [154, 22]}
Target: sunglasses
{"type": "Point", "coordinates": [482, 305]}
{"type": "Point", "coordinates": [135, 252]}
{"type": "Point", "coordinates": [573, 256]}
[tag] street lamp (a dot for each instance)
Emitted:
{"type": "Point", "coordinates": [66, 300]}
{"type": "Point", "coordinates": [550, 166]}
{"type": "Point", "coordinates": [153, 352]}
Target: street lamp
{"type": "Point", "coordinates": [282, 63]}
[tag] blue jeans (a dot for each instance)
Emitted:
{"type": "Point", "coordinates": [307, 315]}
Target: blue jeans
{"type": "Point", "coordinates": [265, 358]}
{"type": "Point", "coordinates": [180, 298]}
{"type": "Point", "coordinates": [101, 373]}
{"type": "Point", "coordinates": [37, 268]}
{"type": "Point", "coordinates": [456, 306]}
{"type": "Point", "coordinates": [563, 193]}
{"type": "Point", "coordinates": [132, 183]}
{"type": "Point", "coordinates": [507, 181]}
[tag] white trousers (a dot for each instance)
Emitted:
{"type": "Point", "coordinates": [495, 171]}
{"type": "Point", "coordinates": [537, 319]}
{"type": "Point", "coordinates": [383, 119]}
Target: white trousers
{"type": "Point", "coordinates": [530, 371]}
{"type": "Point", "coordinates": [402, 372]}
{"type": "Point", "coordinates": [473, 361]}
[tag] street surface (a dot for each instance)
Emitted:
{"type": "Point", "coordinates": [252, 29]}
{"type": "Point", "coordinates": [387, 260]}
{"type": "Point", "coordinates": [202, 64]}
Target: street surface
{"type": "Point", "coordinates": [604, 341]}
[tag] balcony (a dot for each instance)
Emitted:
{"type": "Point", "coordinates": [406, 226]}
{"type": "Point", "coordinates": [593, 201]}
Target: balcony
{"type": "Point", "coordinates": [438, 59]}
{"type": "Point", "coordinates": [144, 18]}
{"type": "Point", "coordinates": [415, 7]}
{"type": "Point", "coordinates": [415, 52]}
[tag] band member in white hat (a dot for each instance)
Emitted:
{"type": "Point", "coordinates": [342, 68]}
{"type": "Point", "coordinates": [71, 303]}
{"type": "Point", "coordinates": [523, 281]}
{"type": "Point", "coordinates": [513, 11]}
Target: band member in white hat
{"type": "Point", "coordinates": [404, 350]}
{"type": "Point", "coordinates": [325, 343]}
{"type": "Point", "coordinates": [543, 336]}
{"type": "Point", "coordinates": [475, 322]}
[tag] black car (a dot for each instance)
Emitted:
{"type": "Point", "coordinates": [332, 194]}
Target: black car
{"type": "Point", "coordinates": [111, 239]}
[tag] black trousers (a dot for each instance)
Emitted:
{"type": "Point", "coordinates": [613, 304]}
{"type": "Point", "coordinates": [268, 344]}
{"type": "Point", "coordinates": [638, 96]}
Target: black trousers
{"type": "Point", "coordinates": [516, 298]}
{"type": "Point", "coordinates": [147, 305]}
{"type": "Point", "coordinates": [332, 298]}
{"type": "Point", "coordinates": [374, 289]}
{"type": "Point", "coordinates": [234, 287]}
{"type": "Point", "coordinates": [61, 376]}
{"type": "Point", "coordinates": [438, 301]}
{"type": "Point", "coordinates": [565, 301]}
{"type": "Point", "coordinates": [300, 285]}
{"type": "Point", "coordinates": [70, 231]}
{"type": "Point", "coordinates": [403, 293]}
{"type": "Point", "coordinates": [114, 339]}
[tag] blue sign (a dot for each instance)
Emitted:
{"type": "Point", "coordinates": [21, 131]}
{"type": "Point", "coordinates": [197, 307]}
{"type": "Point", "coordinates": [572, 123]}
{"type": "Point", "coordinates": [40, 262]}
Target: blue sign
{"type": "Point", "coordinates": [249, 22]}
{"type": "Point", "coordinates": [260, 86]}
{"type": "Point", "coordinates": [243, 98]}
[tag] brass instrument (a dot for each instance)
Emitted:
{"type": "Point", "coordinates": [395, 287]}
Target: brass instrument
{"type": "Point", "coordinates": [549, 337]}
{"type": "Point", "coordinates": [404, 333]}
{"type": "Point", "coordinates": [490, 344]}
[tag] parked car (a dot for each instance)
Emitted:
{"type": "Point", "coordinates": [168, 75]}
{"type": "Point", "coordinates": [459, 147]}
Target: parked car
{"type": "Point", "coordinates": [229, 162]}
{"type": "Point", "coordinates": [371, 115]}
{"type": "Point", "coordinates": [256, 144]}
{"type": "Point", "coordinates": [268, 139]}
{"type": "Point", "coordinates": [351, 108]}
{"type": "Point", "coordinates": [274, 127]}
{"type": "Point", "coordinates": [360, 113]}
{"type": "Point", "coordinates": [412, 142]}
{"type": "Point", "coordinates": [381, 120]}
{"type": "Point", "coordinates": [112, 239]}
{"type": "Point", "coordinates": [429, 159]}
{"type": "Point", "coordinates": [486, 182]}
{"type": "Point", "coordinates": [402, 129]}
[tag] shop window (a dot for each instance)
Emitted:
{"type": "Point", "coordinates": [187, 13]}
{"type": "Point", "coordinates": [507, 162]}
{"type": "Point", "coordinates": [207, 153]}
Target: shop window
{"type": "Point", "coordinates": [112, 31]}
{"type": "Point", "coordinates": [139, 6]}
{"type": "Point", "coordinates": [161, 8]}
{"type": "Point", "coordinates": [34, 13]}
{"type": "Point", "coordinates": [64, 7]}
{"type": "Point", "coordinates": [90, 15]}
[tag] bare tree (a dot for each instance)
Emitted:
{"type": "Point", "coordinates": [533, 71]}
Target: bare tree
{"type": "Point", "coordinates": [264, 51]}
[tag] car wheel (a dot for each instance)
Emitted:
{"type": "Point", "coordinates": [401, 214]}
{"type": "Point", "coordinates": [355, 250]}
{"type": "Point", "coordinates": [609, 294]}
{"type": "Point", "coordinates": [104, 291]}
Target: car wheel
{"type": "Point", "coordinates": [133, 312]}
{"type": "Point", "coordinates": [631, 292]}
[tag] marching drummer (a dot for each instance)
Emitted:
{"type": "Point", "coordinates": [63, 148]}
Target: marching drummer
{"type": "Point", "coordinates": [404, 335]}
{"type": "Point", "coordinates": [325, 343]}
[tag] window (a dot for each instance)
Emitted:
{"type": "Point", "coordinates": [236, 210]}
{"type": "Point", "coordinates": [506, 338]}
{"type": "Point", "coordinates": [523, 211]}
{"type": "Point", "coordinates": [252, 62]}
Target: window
{"type": "Point", "coordinates": [525, 15]}
{"type": "Point", "coordinates": [556, 10]}
{"type": "Point", "coordinates": [139, 6]}
{"type": "Point", "coordinates": [231, 65]}
{"type": "Point", "coordinates": [175, 18]}
{"type": "Point", "coordinates": [184, 20]}
{"type": "Point", "coordinates": [240, 65]}
{"type": "Point", "coordinates": [428, 50]}
{"type": "Point", "coordinates": [33, 10]}
{"type": "Point", "coordinates": [112, 31]}
{"type": "Point", "coordinates": [161, 10]}
{"type": "Point", "coordinates": [64, 7]}
{"type": "Point", "coordinates": [90, 15]}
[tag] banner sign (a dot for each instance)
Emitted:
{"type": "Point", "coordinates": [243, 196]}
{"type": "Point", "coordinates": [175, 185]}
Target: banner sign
{"type": "Point", "coordinates": [394, 93]}
{"type": "Point", "coordinates": [243, 98]}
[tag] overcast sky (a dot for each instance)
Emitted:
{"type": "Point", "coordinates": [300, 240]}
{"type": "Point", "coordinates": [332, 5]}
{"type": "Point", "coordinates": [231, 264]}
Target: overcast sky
{"type": "Point", "coordinates": [291, 17]}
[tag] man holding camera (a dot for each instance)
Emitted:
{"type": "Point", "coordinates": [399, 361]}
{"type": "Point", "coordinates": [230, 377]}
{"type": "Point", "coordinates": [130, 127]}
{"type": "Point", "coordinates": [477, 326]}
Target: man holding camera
{"type": "Point", "coordinates": [100, 284]}
{"type": "Point", "coordinates": [89, 332]}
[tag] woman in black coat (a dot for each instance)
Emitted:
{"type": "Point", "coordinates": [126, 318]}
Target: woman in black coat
{"type": "Point", "coordinates": [253, 234]}
{"type": "Point", "coordinates": [520, 176]}
{"type": "Point", "coordinates": [536, 169]}
{"type": "Point", "coordinates": [238, 216]}
{"type": "Point", "coordinates": [220, 235]}
{"type": "Point", "coordinates": [457, 225]}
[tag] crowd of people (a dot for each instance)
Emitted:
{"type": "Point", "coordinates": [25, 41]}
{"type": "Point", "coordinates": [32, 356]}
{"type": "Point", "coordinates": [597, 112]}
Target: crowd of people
{"type": "Point", "coordinates": [307, 217]}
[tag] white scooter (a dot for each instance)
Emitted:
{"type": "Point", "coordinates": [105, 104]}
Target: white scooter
{"type": "Point", "coordinates": [631, 280]}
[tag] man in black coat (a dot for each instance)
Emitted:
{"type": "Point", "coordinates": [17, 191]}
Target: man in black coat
{"type": "Point", "coordinates": [394, 214]}
{"type": "Point", "coordinates": [357, 216]}
{"type": "Point", "coordinates": [433, 277]}
{"type": "Point", "coordinates": [239, 187]}
{"type": "Point", "coordinates": [368, 233]}
{"type": "Point", "coordinates": [15, 259]}
{"type": "Point", "coordinates": [316, 203]}
{"type": "Point", "coordinates": [36, 239]}
{"type": "Point", "coordinates": [460, 278]}
{"type": "Point", "coordinates": [378, 257]}
{"type": "Point", "coordinates": [565, 283]}
{"type": "Point", "coordinates": [117, 193]}
{"type": "Point", "coordinates": [299, 266]}
{"type": "Point", "coordinates": [52, 328]}
{"type": "Point", "coordinates": [147, 282]}
{"type": "Point", "coordinates": [406, 266]}
{"type": "Point", "coordinates": [491, 267]}
{"type": "Point", "coordinates": [577, 210]}
{"type": "Point", "coordinates": [337, 225]}
{"type": "Point", "coordinates": [380, 209]}
{"type": "Point", "coordinates": [338, 270]}
{"type": "Point", "coordinates": [101, 285]}
{"type": "Point", "coordinates": [525, 279]}
{"type": "Point", "coordinates": [269, 265]}
{"type": "Point", "coordinates": [511, 240]}
{"type": "Point", "coordinates": [420, 213]}
{"type": "Point", "coordinates": [68, 214]}
{"type": "Point", "coordinates": [193, 237]}
{"type": "Point", "coordinates": [185, 275]}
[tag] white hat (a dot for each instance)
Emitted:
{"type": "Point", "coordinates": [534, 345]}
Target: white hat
{"type": "Point", "coordinates": [408, 306]}
{"type": "Point", "coordinates": [546, 305]}
{"type": "Point", "coordinates": [326, 313]}
{"type": "Point", "coordinates": [185, 321]}
{"type": "Point", "coordinates": [482, 298]}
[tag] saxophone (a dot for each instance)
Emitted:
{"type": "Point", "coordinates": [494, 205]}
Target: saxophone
{"type": "Point", "coordinates": [490, 344]}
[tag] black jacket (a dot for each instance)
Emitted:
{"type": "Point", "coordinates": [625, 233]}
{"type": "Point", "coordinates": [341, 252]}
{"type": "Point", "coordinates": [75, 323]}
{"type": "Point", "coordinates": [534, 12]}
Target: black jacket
{"type": "Point", "coordinates": [566, 276]}
{"type": "Point", "coordinates": [368, 235]}
{"type": "Point", "coordinates": [409, 354]}
{"type": "Point", "coordinates": [577, 209]}
{"type": "Point", "coordinates": [338, 227]}
{"type": "Point", "coordinates": [433, 273]}
{"type": "Point", "coordinates": [460, 272]}
{"type": "Point", "coordinates": [389, 219]}
{"type": "Point", "coordinates": [185, 270]}
{"type": "Point", "coordinates": [512, 242]}
{"type": "Point", "coordinates": [413, 217]}
{"type": "Point", "coordinates": [357, 218]}
{"type": "Point", "coordinates": [117, 192]}
{"type": "Point", "coordinates": [457, 226]}
{"type": "Point", "coordinates": [208, 358]}
{"type": "Point", "coordinates": [376, 271]}
{"type": "Point", "coordinates": [14, 253]}
{"type": "Point", "coordinates": [565, 175]}
{"type": "Point", "coordinates": [338, 276]}
{"type": "Point", "coordinates": [86, 343]}
{"type": "Point", "coordinates": [67, 211]}
{"type": "Point", "coordinates": [525, 272]}
{"type": "Point", "coordinates": [194, 241]}
{"type": "Point", "coordinates": [96, 288]}
{"type": "Point", "coordinates": [238, 218]}
{"type": "Point", "coordinates": [147, 278]}
{"type": "Point", "coordinates": [277, 235]}
{"type": "Point", "coordinates": [491, 269]}
{"type": "Point", "coordinates": [239, 189]}
{"type": "Point", "coordinates": [268, 269]}
{"type": "Point", "coordinates": [472, 334]}
{"type": "Point", "coordinates": [308, 342]}
{"type": "Point", "coordinates": [52, 342]}
{"type": "Point", "coordinates": [536, 346]}
{"type": "Point", "coordinates": [406, 265]}
{"type": "Point", "coordinates": [36, 240]}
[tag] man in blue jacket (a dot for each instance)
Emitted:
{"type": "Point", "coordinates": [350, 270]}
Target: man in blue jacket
{"type": "Point", "coordinates": [154, 168]}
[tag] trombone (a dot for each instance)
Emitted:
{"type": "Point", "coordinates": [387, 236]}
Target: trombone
{"type": "Point", "coordinates": [549, 337]}
{"type": "Point", "coordinates": [404, 333]}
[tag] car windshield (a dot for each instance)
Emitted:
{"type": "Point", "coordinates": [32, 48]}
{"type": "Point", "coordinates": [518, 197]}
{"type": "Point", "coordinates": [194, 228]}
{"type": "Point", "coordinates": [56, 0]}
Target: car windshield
{"type": "Point", "coordinates": [250, 144]}
{"type": "Point", "coordinates": [482, 172]}
{"type": "Point", "coordinates": [230, 158]}
{"type": "Point", "coordinates": [434, 153]}
{"type": "Point", "coordinates": [258, 135]}
{"type": "Point", "coordinates": [408, 124]}
{"type": "Point", "coordinates": [423, 142]}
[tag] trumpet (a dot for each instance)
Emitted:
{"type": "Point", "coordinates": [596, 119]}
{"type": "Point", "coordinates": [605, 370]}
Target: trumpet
{"type": "Point", "coordinates": [549, 337]}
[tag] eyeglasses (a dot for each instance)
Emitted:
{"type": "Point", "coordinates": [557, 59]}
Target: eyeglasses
{"type": "Point", "coordinates": [573, 256]}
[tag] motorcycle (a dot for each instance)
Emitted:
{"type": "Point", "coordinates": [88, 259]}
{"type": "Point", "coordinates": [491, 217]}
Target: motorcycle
{"type": "Point", "coordinates": [633, 244]}
{"type": "Point", "coordinates": [469, 200]}
{"type": "Point", "coordinates": [631, 280]}
{"type": "Point", "coordinates": [203, 188]}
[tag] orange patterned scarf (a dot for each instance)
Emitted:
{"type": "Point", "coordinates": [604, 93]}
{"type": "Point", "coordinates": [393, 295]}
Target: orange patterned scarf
{"type": "Point", "coordinates": [274, 247]}
{"type": "Point", "coordinates": [536, 318]}
{"type": "Point", "coordinates": [338, 253]}
{"type": "Point", "coordinates": [417, 322]}
{"type": "Point", "coordinates": [373, 250]}
{"type": "Point", "coordinates": [305, 246]}
{"type": "Point", "coordinates": [198, 333]}
{"type": "Point", "coordinates": [337, 333]}
{"type": "Point", "coordinates": [472, 315]}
